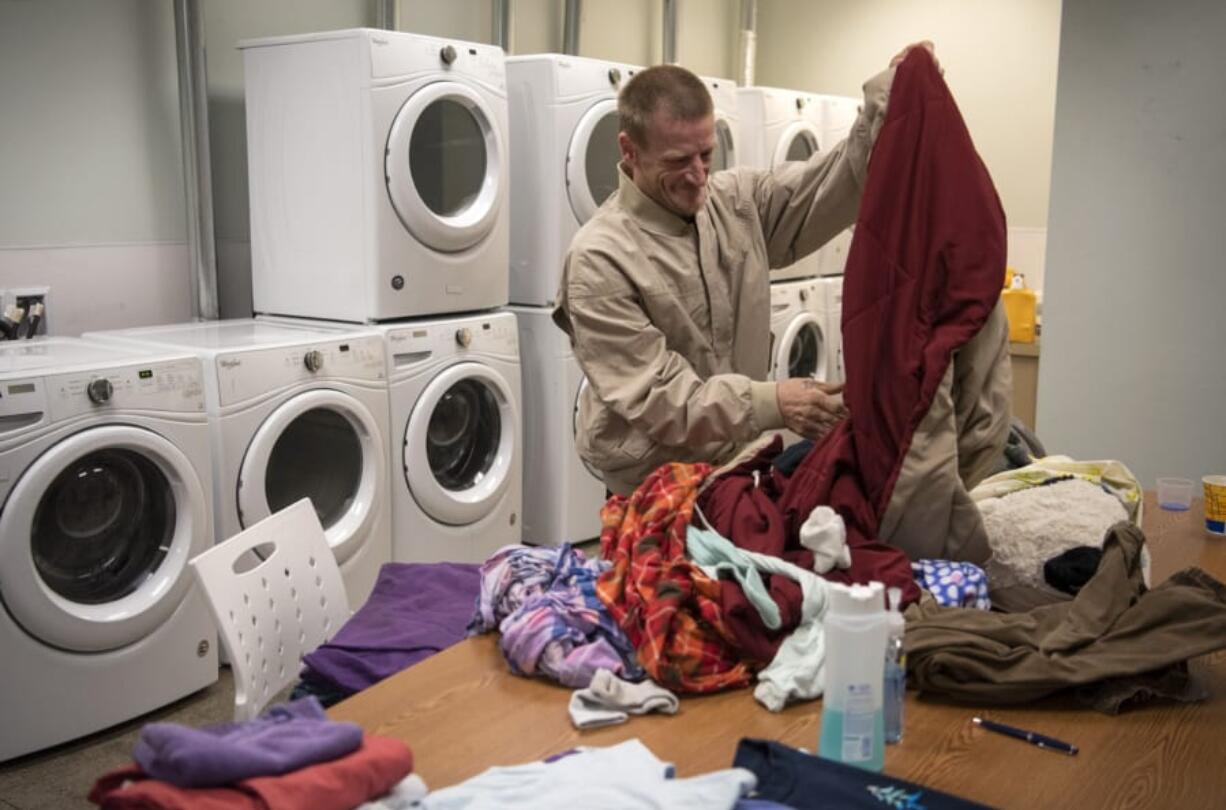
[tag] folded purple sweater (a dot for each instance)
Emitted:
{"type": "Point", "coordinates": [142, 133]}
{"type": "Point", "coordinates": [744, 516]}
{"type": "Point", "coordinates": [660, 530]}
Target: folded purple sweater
{"type": "Point", "coordinates": [285, 738]}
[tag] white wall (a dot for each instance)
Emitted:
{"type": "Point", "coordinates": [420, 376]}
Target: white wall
{"type": "Point", "coordinates": [1134, 331]}
{"type": "Point", "coordinates": [91, 178]}
{"type": "Point", "coordinates": [999, 59]}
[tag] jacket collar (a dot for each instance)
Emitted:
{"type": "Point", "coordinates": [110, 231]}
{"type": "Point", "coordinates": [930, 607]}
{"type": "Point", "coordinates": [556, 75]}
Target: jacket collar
{"type": "Point", "coordinates": [650, 214]}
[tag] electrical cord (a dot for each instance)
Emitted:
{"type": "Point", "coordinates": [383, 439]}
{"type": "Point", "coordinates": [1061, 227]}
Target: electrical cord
{"type": "Point", "coordinates": [35, 319]}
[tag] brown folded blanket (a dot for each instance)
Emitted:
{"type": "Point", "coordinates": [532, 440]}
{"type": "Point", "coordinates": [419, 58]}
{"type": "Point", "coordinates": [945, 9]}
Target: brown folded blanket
{"type": "Point", "coordinates": [1115, 636]}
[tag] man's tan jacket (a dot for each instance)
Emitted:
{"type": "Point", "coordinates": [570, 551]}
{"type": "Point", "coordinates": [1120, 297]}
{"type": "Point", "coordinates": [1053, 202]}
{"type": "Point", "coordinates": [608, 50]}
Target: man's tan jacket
{"type": "Point", "coordinates": [670, 318]}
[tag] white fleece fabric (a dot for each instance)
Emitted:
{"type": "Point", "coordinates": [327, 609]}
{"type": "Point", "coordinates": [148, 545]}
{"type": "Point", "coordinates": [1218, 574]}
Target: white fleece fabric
{"type": "Point", "coordinates": [1029, 527]}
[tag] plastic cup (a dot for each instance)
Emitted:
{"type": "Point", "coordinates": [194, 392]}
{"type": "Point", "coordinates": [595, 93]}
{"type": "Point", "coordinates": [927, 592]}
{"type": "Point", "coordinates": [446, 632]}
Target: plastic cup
{"type": "Point", "coordinates": [1175, 494]}
{"type": "Point", "coordinates": [1215, 504]}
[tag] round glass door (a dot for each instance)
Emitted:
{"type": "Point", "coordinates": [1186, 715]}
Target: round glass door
{"type": "Point", "coordinates": [799, 141]}
{"type": "Point", "coordinates": [103, 526]}
{"type": "Point", "coordinates": [592, 159]}
{"type": "Point", "coordinates": [724, 156]}
{"type": "Point", "coordinates": [444, 167]}
{"type": "Point", "coordinates": [463, 428]}
{"type": "Point", "coordinates": [802, 350]}
{"type": "Point", "coordinates": [321, 445]}
{"type": "Point", "coordinates": [96, 535]}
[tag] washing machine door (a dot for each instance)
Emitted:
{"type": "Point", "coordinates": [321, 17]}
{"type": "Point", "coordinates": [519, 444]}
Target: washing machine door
{"type": "Point", "coordinates": [800, 141]}
{"type": "Point", "coordinates": [460, 443]}
{"type": "Point", "coordinates": [574, 426]}
{"type": "Point", "coordinates": [96, 535]}
{"type": "Point", "coordinates": [444, 166]}
{"type": "Point", "coordinates": [802, 350]}
{"type": "Point", "coordinates": [592, 158]}
{"type": "Point", "coordinates": [724, 156]}
{"type": "Point", "coordinates": [323, 445]}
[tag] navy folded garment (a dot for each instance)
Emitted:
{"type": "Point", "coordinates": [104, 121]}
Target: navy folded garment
{"type": "Point", "coordinates": [414, 611]}
{"type": "Point", "coordinates": [285, 738]}
{"type": "Point", "coordinates": [806, 782]}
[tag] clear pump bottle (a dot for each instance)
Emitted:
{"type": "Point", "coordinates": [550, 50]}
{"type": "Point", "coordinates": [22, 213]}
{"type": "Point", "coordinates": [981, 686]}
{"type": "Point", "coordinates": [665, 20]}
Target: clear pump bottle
{"type": "Point", "coordinates": [895, 669]}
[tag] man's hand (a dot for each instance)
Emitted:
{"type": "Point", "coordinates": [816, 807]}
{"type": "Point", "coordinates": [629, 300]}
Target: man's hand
{"type": "Point", "coordinates": [810, 408]}
{"type": "Point", "coordinates": [926, 45]}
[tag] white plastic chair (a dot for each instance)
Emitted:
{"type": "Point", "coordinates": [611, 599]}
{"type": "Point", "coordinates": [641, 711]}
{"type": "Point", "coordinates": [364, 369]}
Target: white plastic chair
{"type": "Point", "coordinates": [271, 615]}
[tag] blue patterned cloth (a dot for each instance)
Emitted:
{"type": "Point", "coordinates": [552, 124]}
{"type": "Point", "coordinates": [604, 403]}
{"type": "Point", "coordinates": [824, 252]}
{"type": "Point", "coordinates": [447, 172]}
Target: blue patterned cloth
{"type": "Point", "coordinates": [544, 602]}
{"type": "Point", "coordinates": [953, 584]}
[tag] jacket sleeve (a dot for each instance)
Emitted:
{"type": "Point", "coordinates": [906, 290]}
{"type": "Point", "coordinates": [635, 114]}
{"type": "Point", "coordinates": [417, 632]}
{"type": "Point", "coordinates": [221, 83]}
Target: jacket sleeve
{"type": "Point", "coordinates": [803, 205]}
{"type": "Point", "coordinates": [627, 362]}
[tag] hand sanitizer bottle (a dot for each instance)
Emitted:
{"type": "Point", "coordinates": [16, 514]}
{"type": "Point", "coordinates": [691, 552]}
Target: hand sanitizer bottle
{"type": "Point", "coordinates": [895, 668]}
{"type": "Point", "coordinates": [852, 722]}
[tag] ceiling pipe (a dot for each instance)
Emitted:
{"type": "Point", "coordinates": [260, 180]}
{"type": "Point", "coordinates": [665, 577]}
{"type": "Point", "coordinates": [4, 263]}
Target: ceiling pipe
{"type": "Point", "coordinates": [570, 27]}
{"type": "Point", "coordinates": [669, 30]}
{"type": "Point", "coordinates": [197, 170]}
{"type": "Point", "coordinates": [747, 43]}
{"type": "Point", "coordinates": [502, 24]}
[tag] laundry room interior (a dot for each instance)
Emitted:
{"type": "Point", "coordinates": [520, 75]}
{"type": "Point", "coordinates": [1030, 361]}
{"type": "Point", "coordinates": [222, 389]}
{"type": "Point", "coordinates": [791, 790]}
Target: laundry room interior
{"type": "Point", "coordinates": [461, 377]}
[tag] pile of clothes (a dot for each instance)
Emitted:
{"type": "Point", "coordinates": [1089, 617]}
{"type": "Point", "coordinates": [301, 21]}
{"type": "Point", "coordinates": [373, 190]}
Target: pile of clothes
{"type": "Point", "coordinates": [719, 575]}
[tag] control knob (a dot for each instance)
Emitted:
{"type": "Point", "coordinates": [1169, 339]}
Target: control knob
{"type": "Point", "coordinates": [99, 390]}
{"type": "Point", "coordinates": [313, 360]}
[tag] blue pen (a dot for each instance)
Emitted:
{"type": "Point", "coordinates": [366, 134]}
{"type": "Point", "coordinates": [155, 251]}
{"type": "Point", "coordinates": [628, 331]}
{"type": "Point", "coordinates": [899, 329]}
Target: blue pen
{"type": "Point", "coordinates": [1032, 737]}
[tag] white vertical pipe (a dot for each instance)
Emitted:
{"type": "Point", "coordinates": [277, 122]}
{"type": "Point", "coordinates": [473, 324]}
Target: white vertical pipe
{"type": "Point", "coordinates": [669, 31]}
{"type": "Point", "coordinates": [502, 24]}
{"type": "Point", "coordinates": [748, 42]}
{"type": "Point", "coordinates": [197, 171]}
{"type": "Point", "coordinates": [570, 27]}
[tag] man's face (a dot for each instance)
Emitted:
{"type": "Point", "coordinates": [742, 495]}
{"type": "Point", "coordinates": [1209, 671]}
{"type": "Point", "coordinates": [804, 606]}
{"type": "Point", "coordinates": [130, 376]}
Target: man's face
{"type": "Point", "coordinates": [673, 166]}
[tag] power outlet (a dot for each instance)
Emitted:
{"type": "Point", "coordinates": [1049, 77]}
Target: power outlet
{"type": "Point", "coordinates": [25, 298]}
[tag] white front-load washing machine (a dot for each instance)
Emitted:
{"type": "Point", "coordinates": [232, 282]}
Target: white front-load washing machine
{"type": "Point", "coordinates": [455, 433]}
{"type": "Point", "coordinates": [295, 412]}
{"type": "Point", "coordinates": [378, 172]}
{"type": "Point", "coordinates": [562, 496]}
{"type": "Point", "coordinates": [778, 126]}
{"type": "Point", "coordinates": [799, 330]}
{"type": "Point", "coordinates": [564, 157]}
{"type": "Point", "coordinates": [457, 446]}
{"type": "Point", "coordinates": [839, 115]}
{"type": "Point", "coordinates": [104, 498]}
{"type": "Point", "coordinates": [727, 122]}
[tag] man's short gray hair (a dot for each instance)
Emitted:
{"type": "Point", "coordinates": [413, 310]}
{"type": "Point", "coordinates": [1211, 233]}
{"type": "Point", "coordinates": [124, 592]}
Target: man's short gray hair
{"type": "Point", "coordinates": [669, 87]}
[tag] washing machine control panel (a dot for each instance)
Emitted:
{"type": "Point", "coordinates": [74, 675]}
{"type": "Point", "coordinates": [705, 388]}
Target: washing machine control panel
{"type": "Point", "coordinates": [173, 386]}
{"type": "Point", "coordinates": [243, 375]}
{"type": "Point", "coordinates": [497, 336]}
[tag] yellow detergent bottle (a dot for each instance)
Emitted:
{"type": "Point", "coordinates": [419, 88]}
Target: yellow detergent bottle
{"type": "Point", "coordinates": [1020, 306]}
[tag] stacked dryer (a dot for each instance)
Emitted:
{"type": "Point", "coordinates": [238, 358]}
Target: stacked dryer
{"type": "Point", "coordinates": [379, 166]}
{"type": "Point", "coordinates": [564, 125]}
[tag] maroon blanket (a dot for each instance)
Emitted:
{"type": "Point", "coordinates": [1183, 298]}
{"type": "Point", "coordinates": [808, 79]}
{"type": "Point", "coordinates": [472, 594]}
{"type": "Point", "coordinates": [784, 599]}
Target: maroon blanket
{"type": "Point", "coordinates": [924, 272]}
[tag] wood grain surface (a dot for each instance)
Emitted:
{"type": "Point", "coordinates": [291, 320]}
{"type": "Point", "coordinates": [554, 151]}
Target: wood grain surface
{"type": "Point", "coordinates": [463, 711]}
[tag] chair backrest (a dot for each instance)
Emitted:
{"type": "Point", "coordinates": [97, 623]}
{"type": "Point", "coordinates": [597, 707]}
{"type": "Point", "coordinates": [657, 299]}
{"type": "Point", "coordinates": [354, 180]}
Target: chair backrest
{"type": "Point", "coordinates": [272, 607]}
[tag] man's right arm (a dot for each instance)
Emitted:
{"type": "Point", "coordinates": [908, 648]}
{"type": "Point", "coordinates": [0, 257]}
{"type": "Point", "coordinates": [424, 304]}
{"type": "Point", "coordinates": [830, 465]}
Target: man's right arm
{"type": "Point", "coordinates": [804, 204]}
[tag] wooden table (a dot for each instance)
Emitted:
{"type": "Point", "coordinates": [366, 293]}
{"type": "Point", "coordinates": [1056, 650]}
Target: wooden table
{"type": "Point", "coordinates": [462, 711]}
